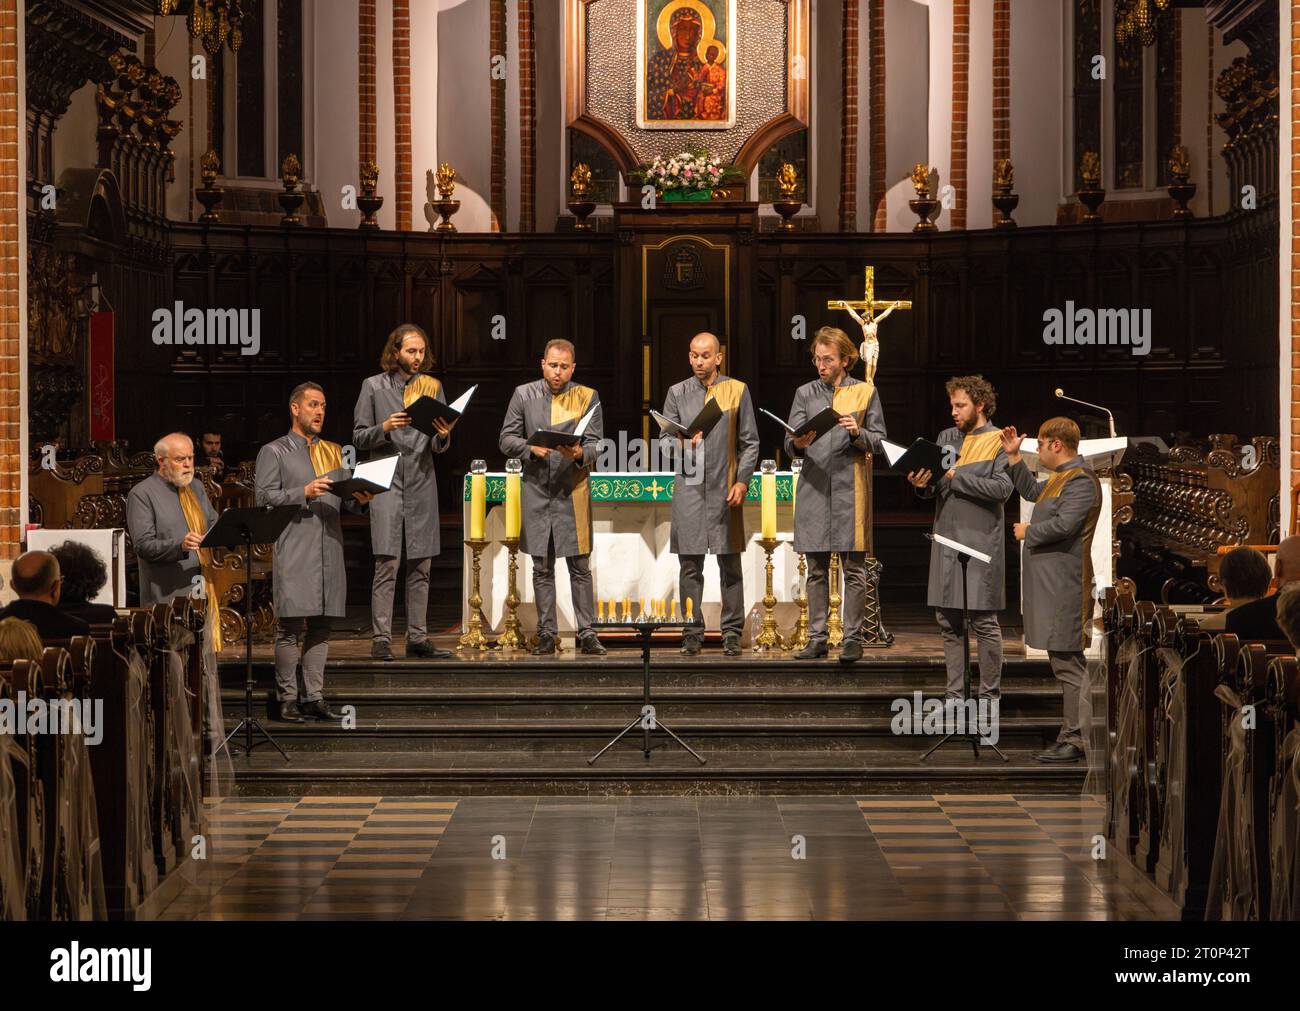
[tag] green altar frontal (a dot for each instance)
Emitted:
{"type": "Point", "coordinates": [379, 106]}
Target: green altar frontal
{"type": "Point", "coordinates": [648, 487]}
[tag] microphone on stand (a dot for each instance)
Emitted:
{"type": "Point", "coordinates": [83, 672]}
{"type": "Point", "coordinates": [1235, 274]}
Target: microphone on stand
{"type": "Point", "coordinates": [1061, 393]}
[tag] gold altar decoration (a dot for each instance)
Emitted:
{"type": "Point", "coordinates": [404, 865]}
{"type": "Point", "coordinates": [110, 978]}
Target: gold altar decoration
{"type": "Point", "coordinates": [768, 638]}
{"type": "Point", "coordinates": [869, 350]}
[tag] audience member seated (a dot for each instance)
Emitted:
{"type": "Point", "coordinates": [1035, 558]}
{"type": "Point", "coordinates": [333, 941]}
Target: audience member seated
{"type": "Point", "coordinates": [84, 575]}
{"type": "Point", "coordinates": [18, 640]}
{"type": "Point", "coordinates": [1257, 621]}
{"type": "Point", "coordinates": [1288, 614]}
{"type": "Point", "coordinates": [1245, 576]}
{"type": "Point", "coordinates": [38, 583]}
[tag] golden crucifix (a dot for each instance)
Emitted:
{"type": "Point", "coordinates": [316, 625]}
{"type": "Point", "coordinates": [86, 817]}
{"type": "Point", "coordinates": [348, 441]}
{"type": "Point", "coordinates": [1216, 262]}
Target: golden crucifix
{"type": "Point", "coordinates": [870, 350]}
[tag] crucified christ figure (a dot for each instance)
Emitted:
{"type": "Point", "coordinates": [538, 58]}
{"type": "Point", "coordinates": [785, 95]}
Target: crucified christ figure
{"type": "Point", "coordinates": [869, 351]}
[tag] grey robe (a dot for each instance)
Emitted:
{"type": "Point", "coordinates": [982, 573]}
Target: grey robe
{"type": "Point", "coordinates": [1057, 589]}
{"type": "Point", "coordinates": [833, 500]}
{"type": "Point", "coordinates": [406, 514]}
{"type": "Point", "coordinates": [703, 523]}
{"type": "Point", "coordinates": [157, 527]}
{"type": "Point", "coordinates": [556, 492]}
{"type": "Point", "coordinates": [308, 577]}
{"type": "Point", "coordinates": [970, 510]}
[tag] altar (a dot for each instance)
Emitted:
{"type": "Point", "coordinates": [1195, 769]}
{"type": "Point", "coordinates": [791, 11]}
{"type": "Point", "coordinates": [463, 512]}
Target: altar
{"type": "Point", "coordinates": [631, 524]}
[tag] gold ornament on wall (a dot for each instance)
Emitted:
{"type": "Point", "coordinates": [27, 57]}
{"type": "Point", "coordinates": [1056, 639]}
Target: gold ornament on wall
{"type": "Point", "coordinates": [1090, 169]}
{"type": "Point", "coordinates": [787, 180]}
{"type": "Point", "coordinates": [446, 180]}
{"type": "Point", "coordinates": [580, 180]}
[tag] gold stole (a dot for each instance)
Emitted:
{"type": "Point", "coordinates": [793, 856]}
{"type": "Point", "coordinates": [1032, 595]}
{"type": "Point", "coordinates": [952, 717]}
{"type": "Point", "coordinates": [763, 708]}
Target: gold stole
{"type": "Point", "coordinates": [193, 514]}
{"type": "Point", "coordinates": [1056, 482]}
{"type": "Point", "coordinates": [979, 448]}
{"type": "Point", "coordinates": [325, 456]}
{"type": "Point", "coordinates": [571, 405]}
{"type": "Point", "coordinates": [855, 400]}
{"type": "Point", "coordinates": [421, 386]}
{"type": "Point", "coordinates": [727, 393]}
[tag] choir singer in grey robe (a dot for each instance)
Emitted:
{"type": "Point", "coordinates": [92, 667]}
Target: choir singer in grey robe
{"type": "Point", "coordinates": [833, 500]}
{"type": "Point", "coordinates": [969, 509]}
{"type": "Point", "coordinates": [405, 516]}
{"type": "Point", "coordinates": [309, 582]}
{"type": "Point", "coordinates": [1057, 590]}
{"type": "Point", "coordinates": [165, 545]}
{"type": "Point", "coordinates": [711, 479]}
{"type": "Point", "coordinates": [556, 493]}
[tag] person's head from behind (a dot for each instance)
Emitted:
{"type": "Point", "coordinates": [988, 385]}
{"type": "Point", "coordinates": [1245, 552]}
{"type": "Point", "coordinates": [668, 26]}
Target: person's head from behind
{"type": "Point", "coordinates": [1286, 564]}
{"type": "Point", "coordinates": [1288, 614]}
{"type": "Point", "coordinates": [19, 640]}
{"type": "Point", "coordinates": [84, 572]}
{"type": "Point", "coordinates": [1244, 574]}
{"type": "Point", "coordinates": [36, 576]}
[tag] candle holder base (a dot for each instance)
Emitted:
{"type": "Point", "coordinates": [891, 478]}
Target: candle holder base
{"type": "Point", "coordinates": [768, 637]}
{"type": "Point", "coordinates": [512, 637]}
{"type": "Point", "coordinates": [834, 620]}
{"type": "Point", "coordinates": [473, 637]}
{"type": "Point", "coordinates": [798, 639]}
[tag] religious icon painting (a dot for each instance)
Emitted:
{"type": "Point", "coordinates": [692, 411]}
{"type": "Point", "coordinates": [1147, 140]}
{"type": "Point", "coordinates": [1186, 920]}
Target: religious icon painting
{"type": "Point", "coordinates": [686, 64]}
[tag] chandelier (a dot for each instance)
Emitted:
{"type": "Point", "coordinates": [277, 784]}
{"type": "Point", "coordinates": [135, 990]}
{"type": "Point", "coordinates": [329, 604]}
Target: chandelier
{"type": "Point", "coordinates": [216, 22]}
{"type": "Point", "coordinates": [1137, 19]}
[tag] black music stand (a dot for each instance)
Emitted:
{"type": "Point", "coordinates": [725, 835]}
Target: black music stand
{"type": "Point", "coordinates": [964, 555]}
{"type": "Point", "coordinates": [233, 529]}
{"type": "Point", "coordinates": [646, 717]}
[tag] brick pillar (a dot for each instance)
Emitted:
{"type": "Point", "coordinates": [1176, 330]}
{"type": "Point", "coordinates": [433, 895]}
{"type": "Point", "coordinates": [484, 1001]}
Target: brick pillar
{"type": "Point", "coordinates": [1292, 59]}
{"type": "Point", "coordinates": [497, 47]}
{"type": "Point", "coordinates": [876, 114]}
{"type": "Point", "coordinates": [1177, 15]}
{"type": "Point", "coordinates": [527, 120]}
{"type": "Point", "coordinates": [366, 81]}
{"type": "Point", "coordinates": [1210, 154]}
{"type": "Point", "coordinates": [960, 95]}
{"type": "Point", "coordinates": [13, 275]}
{"type": "Point", "coordinates": [849, 119]}
{"type": "Point", "coordinates": [402, 111]}
{"type": "Point", "coordinates": [1001, 79]}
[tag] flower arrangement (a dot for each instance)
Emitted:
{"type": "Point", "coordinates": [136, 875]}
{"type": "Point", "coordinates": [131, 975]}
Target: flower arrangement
{"type": "Point", "coordinates": [689, 173]}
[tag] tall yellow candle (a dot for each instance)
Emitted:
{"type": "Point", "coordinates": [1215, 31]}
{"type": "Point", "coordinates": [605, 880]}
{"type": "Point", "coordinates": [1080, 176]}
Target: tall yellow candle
{"type": "Point", "coordinates": [794, 487]}
{"type": "Point", "coordinates": [477, 505]}
{"type": "Point", "coordinates": [512, 505]}
{"type": "Point", "coordinates": [767, 488]}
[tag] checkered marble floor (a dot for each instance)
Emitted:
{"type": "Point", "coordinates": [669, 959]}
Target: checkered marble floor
{"type": "Point", "coordinates": [925, 857]}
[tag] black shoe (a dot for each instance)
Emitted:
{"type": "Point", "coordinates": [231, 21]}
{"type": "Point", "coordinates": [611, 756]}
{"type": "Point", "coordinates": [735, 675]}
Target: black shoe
{"type": "Point", "coordinates": [289, 713]}
{"type": "Point", "coordinates": [545, 645]}
{"type": "Point", "coordinates": [381, 649]}
{"type": "Point", "coordinates": [690, 646]}
{"type": "Point", "coordinates": [318, 710]}
{"type": "Point", "coordinates": [851, 651]}
{"type": "Point", "coordinates": [1060, 752]}
{"type": "Point", "coordinates": [812, 651]}
{"type": "Point", "coordinates": [427, 651]}
{"type": "Point", "coordinates": [731, 645]}
{"type": "Point", "coordinates": [589, 645]}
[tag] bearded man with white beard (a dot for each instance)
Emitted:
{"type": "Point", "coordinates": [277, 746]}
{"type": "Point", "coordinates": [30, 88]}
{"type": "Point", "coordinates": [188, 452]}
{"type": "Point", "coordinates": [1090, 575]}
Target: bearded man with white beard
{"type": "Point", "coordinates": [167, 515]}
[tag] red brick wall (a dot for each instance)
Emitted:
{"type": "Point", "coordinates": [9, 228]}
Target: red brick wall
{"type": "Point", "coordinates": [12, 207]}
{"type": "Point", "coordinates": [1294, 63]}
{"type": "Point", "coordinates": [402, 111]}
{"type": "Point", "coordinates": [960, 95]}
{"type": "Point", "coordinates": [497, 47]}
{"type": "Point", "coordinates": [849, 118]}
{"type": "Point", "coordinates": [366, 81]}
{"type": "Point", "coordinates": [1001, 79]}
{"type": "Point", "coordinates": [876, 113]}
{"type": "Point", "coordinates": [527, 120]}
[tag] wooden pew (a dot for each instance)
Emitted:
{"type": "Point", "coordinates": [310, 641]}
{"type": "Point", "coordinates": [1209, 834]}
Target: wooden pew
{"type": "Point", "coordinates": [1284, 820]}
{"type": "Point", "coordinates": [28, 846]}
{"type": "Point", "coordinates": [1121, 623]}
{"type": "Point", "coordinates": [1154, 622]}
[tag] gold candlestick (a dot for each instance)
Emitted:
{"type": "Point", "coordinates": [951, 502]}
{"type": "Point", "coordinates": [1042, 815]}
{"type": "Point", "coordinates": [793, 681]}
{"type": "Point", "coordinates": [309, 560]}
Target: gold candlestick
{"type": "Point", "coordinates": [768, 637]}
{"type": "Point", "coordinates": [798, 639]}
{"type": "Point", "coordinates": [511, 637]}
{"type": "Point", "coordinates": [473, 638]}
{"type": "Point", "coordinates": [834, 623]}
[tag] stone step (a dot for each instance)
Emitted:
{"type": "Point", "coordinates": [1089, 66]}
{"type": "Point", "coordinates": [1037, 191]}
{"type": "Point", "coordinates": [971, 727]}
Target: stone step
{"type": "Point", "coordinates": [624, 770]}
{"type": "Point", "coordinates": [589, 735]}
